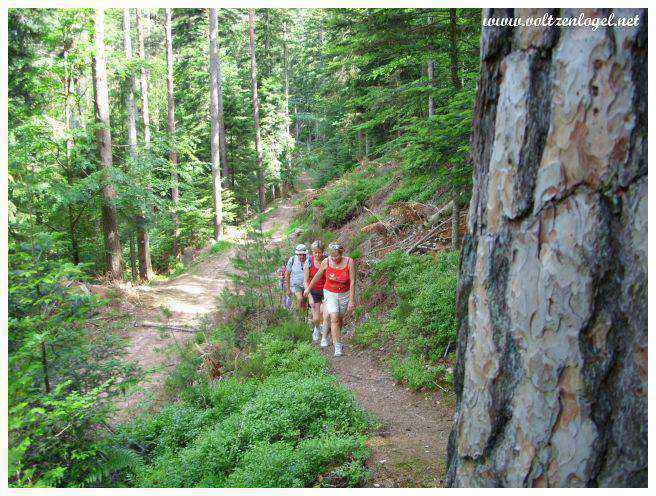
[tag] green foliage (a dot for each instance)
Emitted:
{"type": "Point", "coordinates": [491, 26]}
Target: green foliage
{"type": "Point", "coordinates": [415, 188]}
{"type": "Point", "coordinates": [64, 371]}
{"type": "Point", "coordinates": [422, 323]}
{"type": "Point", "coordinates": [221, 246]}
{"type": "Point", "coordinates": [416, 373]}
{"type": "Point", "coordinates": [342, 201]}
{"type": "Point", "coordinates": [285, 424]}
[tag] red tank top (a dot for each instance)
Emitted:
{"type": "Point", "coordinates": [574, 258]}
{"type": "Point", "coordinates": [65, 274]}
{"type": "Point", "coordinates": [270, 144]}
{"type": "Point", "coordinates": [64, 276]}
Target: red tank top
{"type": "Point", "coordinates": [318, 286]}
{"type": "Point", "coordinates": [337, 280]}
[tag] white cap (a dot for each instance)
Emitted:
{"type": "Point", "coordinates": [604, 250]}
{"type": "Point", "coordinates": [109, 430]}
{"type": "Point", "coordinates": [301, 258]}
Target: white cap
{"type": "Point", "coordinates": [301, 249]}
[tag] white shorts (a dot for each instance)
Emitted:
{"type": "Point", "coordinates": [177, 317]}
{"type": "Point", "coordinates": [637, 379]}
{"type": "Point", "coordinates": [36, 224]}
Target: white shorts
{"type": "Point", "coordinates": [335, 302]}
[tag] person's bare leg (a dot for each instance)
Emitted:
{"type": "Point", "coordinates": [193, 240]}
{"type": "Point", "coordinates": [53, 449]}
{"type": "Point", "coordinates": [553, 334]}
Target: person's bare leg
{"type": "Point", "coordinates": [336, 327]}
{"type": "Point", "coordinates": [325, 327]}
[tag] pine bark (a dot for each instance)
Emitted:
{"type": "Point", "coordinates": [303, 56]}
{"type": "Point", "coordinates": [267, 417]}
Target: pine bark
{"type": "Point", "coordinates": [143, 238]}
{"type": "Point", "coordinates": [173, 154]}
{"type": "Point", "coordinates": [256, 113]}
{"type": "Point", "coordinates": [215, 124]}
{"type": "Point", "coordinates": [104, 141]}
{"type": "Point", "coordinates": [551, 371]}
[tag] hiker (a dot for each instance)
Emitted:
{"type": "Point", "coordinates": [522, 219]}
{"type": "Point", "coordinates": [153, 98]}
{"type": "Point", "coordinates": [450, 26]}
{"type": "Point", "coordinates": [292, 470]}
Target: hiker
{"type": "Point", "coordinates": [316, 293]}
{"type": "Point", "coordinates": [338, 293]}
{"type": "Point", "coordinates": [295, 277]}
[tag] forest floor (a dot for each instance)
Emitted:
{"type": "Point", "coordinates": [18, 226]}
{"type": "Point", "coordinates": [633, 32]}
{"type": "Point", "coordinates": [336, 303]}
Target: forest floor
{"type": "Point", "coordinates": [409, 448]}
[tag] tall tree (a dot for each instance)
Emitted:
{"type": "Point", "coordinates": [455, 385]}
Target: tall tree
{"type": "Point", "coordinates": [453, 48]}
{"type": "Point", "coordinates": [71, 123]}
{"type": "Point", "coordinates": [104, 140]}
{"type": "Point", "coordinates": [430, 70]}
{"type": "Point", "coordinates": [143, 238]}
{"type": "Point", "coordinates": [215, 122]}
{"type": "Point", "coordinates": [173, 154]}
{"type": "Point", "coordinates": [256, 113]}
{"type": "Point", "coordinates": [131, 108]}
{"type": "Point", "coordinates": [551, 372]}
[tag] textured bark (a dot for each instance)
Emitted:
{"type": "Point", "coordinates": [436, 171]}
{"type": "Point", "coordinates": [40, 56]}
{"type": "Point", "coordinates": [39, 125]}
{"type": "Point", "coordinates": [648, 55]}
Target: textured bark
{"type": "Point", "coordinates": [256, 113]}
{"type": "Point", "coordinates": [214, 115]}
{"type": "Point", "coordinates": [143, 239]}
{"type": "Point", "coordinates": [170, 121]}
{"type": "Point", "coordinates": [104, 140]}
{"type": "Point", "coordinates": [453, 48]}
{"type": "Point", "coordinates": [551, 372]}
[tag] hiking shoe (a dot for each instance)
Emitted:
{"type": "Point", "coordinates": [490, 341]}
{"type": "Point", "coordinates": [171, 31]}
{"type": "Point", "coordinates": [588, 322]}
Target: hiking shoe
{"type": "Point", "coordinates": [315, 335]}
{"type": "Point", "coordinates": [338, 349]}
{"type": "Point", "coordinates": [324, 342]}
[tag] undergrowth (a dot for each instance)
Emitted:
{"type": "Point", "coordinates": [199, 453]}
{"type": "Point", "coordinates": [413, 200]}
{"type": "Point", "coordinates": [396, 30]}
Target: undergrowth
{"type": "Point", "coordinates": [252, 404]}
{"type": "Point", "coordinates": [341, 202]}
{"type": "Point", "coordinates": [420, 328]}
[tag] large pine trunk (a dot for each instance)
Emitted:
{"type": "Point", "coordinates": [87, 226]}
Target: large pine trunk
{"type": "Point", "coordinates": [143, 238]}
{"type": "Point", "coordinates": [256, 113]}
{"type": "Point", "coordinates": [551, 373]}
{"type": "Point", "coordinates": [215, 138]}
{"type": "Point", "coordinates": [173, 154]}
{"type": "Point", "coordinates": [104, 140]}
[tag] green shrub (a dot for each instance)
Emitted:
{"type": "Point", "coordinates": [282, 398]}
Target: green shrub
{"type": "Point", "coordinates": [285, 426]}
{"type": "Point", "coordinates": [371, 333]}
{"type": "Point", "coordinates": [341, 202]}
{"type": "Point", "coordinates": [414, 188]}
{"type": "Point", "coordinates": [221, 246]}
{"type": "Point", "coordinates": [417, 374]}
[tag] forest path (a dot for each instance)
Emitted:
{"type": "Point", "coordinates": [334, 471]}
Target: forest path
{"type": "Point", "coordinates": [409, 450]}
{"type": "Point", "coordinates": [187, 301]}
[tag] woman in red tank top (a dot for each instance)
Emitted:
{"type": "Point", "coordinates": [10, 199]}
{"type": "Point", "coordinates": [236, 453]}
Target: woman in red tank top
{"type": "Point", "coordinates": [316, 293]}
{"type": "Point", "coordinates": [338, 292]}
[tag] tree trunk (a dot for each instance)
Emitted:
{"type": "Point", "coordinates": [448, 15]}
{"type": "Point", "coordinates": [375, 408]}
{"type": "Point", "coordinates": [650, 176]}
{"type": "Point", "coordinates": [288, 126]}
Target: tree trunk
{"type": "Point", "coordinates": [71, 124]}
{"type": "Point", "coordinates": [431, 69]}
{"type": "Point", "coordinates": [215, 137]}
{"type": "Point", "coordinates": [453, 48]}
{"type": "Point", "coordinates": [141, 46]}
{"type": "Point", "coordinates": [104, 140]}
{"type": "Point", "coordinates": [551, 372]}
{"type": "Point", "coordinates": [143, 245]}
{"type": "Point", "coordinates": [256, 113]}
{"type": "Point", "coordinates": [223, 156]}
{"type": "Point", "coordinates": [129, 97]}
{"type": "Point", "coordinates": [285, 56]}
{"type": "Point", "coordinates": [455, 217]}
{"type": "Point", "coordinates": [297, 124]}
{"type": "Point", "coordinates": [133, 259]}
{"type": "Point", "coordinates": [173, 154]}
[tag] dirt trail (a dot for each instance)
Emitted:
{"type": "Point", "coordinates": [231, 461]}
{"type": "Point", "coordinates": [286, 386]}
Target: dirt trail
{"type": "Point", "coordinates": [187, 301]}
{"type": "Point", "coordinates": [410, 448]}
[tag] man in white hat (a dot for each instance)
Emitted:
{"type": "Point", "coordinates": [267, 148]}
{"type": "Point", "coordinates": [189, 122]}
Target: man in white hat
{"type": "Point", "coordinates": [295, 277]}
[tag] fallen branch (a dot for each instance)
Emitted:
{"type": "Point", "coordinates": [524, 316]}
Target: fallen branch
{"type": "Point", "coordinates": [386, 226]}
{"type": "Point", "coordinates": [170, 328]}
{"type": "Point", "coordinates": [427, 236]}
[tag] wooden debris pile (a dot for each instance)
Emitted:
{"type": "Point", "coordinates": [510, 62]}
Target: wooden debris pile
{"type": "Point", "coordinates": [413, 227]}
